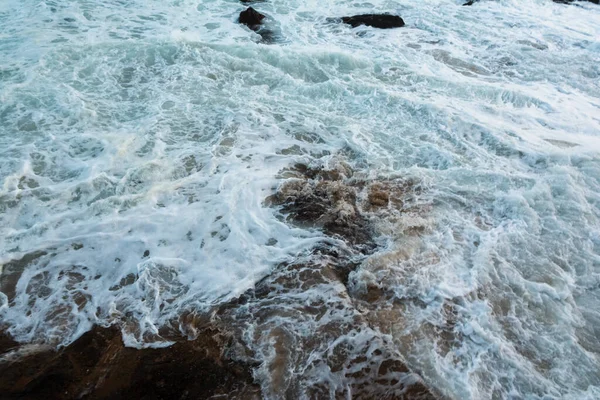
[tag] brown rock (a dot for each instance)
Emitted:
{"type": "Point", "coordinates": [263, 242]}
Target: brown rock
{"type": "Point", "coordinates": [324, 199]}
{"type": "Point", "coordinates": [99, 366]}
{"type": "Point", "coordinates": [378, 197]}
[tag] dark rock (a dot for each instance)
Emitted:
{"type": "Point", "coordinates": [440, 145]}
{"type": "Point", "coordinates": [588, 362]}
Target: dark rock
{"type": "Point", "coordinates": [331, 198]}
{"type": "Point", "coordinates": [339, 203]}
{"type": "Point", "coordinates": [469, 3]}
{"type": "Point", "coordinates": [99, 366]}
{"type": "Point", "coordinates": [251, 18]}
{"type": "Point", "coordinates": [6, 343]}
{"type": "Point", "coordinates": [260, 338]}
{"type": "Point", "coordinates": [382, 21]}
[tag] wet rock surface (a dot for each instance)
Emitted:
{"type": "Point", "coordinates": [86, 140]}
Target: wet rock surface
{"type": "Point", "coordinates": [381, 21]}
{"type": "Point", "coordinates": [301, 332]}
{"type": "Point", "coordinates": [321, 346]}
{"type": "Point", "coordinates": [326, 333]}
{"type": "Point", "coordinates": [99, 366]}
{"type": "Point", "coordinates": [251, 18]}
{"type": "Point", "coordinates": [11, 271]}
{"type": "Point", "coordinates": [254, 20]}
{"type": "Point", "coordinates": [320, 198]}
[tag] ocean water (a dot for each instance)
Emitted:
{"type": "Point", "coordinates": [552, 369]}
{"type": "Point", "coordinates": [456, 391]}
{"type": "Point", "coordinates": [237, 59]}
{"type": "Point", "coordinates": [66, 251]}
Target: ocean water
{"type": "Point", "coordinates": [139, 140]}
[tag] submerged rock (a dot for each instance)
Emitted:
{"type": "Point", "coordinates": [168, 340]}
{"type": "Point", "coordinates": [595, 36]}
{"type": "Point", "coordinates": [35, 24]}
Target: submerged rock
{"type": "Point", "coordinates": [11, 271]}
{"type": "Point", "coordinates": [296, 334]}
{"type": "Point", "coordinates": [322, 198]}
{"type": "Point", "coordinates": [304, 311]}
{"type": "Point", "coordinates": [304, 321]}
{"type": "Point", "coordinates": [382, 21]}
{"type": "Point", "coordinates": [341, 203]}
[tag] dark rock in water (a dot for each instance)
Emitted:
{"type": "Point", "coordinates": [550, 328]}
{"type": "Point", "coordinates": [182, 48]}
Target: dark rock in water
{"type": "Point", "coordinates": [251, 18]}
{"type": "Point", "coordinates": [6, 343]}
{"type": "Point", "coordinates": [338, 203]}
{"type": "Point", "coordinates": [301, 316]}
{"type": "Point", "coordinates": [301, 330]}
{"type": "Point", "coordinates": [99, 366]}
{"type": "Point", "coordinates": [382, 21]}
{"type": "Point", "coordinates": [469, 3]}
{"type": "Point", "coordinates": [369, 369]}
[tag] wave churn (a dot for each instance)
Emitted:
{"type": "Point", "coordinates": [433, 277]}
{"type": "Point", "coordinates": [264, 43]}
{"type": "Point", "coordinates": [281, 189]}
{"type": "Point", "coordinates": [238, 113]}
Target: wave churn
{"type": "Point", "coordinates": [344, 212]}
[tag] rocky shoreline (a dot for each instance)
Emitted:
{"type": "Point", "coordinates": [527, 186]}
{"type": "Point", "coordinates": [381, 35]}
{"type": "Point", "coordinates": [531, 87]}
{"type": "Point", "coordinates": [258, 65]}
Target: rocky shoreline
{"type": "Point", "coordinates": [258, 345]}
{"type": "Point", "coordinates": [308, 329]}
{"type": "Point", "coordinates": [99, 366]}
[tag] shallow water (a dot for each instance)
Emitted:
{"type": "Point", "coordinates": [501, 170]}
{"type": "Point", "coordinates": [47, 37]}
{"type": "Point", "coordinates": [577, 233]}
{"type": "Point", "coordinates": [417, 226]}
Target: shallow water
{"type": "Point", "coordinates": [139, 141]}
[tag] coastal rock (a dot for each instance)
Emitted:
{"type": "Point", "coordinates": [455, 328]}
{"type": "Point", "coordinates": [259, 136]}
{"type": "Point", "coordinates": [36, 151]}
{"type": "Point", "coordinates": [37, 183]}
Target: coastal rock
{"type": "Point", "coordinates": [300, 316]}
{"type": "Point", "coordinates": [322, 198]}
{"type": "Point", "coordinates": [382, 21]}
{"type": "Point", "coordinates": [251, 18]}
{"type": "Point", "coordinates": [314, 333]}
{"type": "Point", "coordinates": [99, 366]}
{"type": "Point", "coordinates": [359, 362]}
{"type": "Point", "coordinates": [342, 204]}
